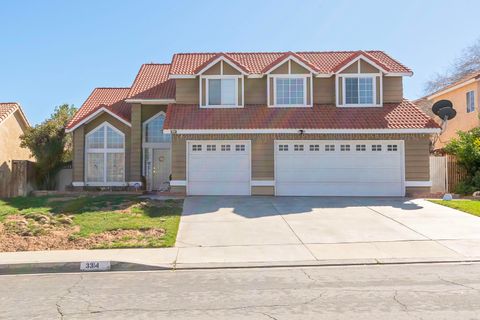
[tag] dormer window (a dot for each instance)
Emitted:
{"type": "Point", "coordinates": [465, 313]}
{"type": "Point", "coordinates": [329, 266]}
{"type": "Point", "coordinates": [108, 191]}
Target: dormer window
{"type": "Point", "coordinates": [359, 90]}
{"type": "Point", "coordinates": [290, 91]}
{"type": "Point", "coordinates": [222, 92]}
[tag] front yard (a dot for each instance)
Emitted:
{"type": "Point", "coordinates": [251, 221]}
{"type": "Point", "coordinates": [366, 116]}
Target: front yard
{"type": "Point", "coordinates": [87, 222]}
{"type": "Point", "coordinates": [468, 206]}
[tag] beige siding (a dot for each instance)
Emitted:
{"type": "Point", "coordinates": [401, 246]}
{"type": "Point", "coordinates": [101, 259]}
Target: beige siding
{"type": "Point", "coordinates": [149, 111]}
{"type": "Point", "coordinates": [263, 191]}
{"type": "Point", "coordinates": [256, 91]}
{"type": "Point", "coordinates": [10, 131]}
{"type": "Point", "coordinates": [229, 70]}
{"type": "Point", "coordinates": [240, 85]}
{"type": "Point", "coordinates": [417, 161]}
{"type": "Point", "coordinates": [377, 84]}
{"type": "Point", "coordinates": [282, 69]}
{"type": "Point", "coordinates": [366, 67]}
{"type": "Point", "coordinates": [214, 70]}
{"type": "Point", "coordinates": [78, 154]}
{"type": "Point", "coordinates": [340, 90]}
{"type": "Point", "coordinates": [324, 90]}
{"type": "Point", "coordinates": [297, 69]}
{"type": "Point", "coordinates": [204, 92]}
{"type": "Point", "coordinates": [392, 89]}
{"type": "Point", "coordinates": [353, 68]}
{"type": "Point", "coordinates": [309, 90]}
{"type": "Point", "coordinates": [135, 171]}
{"type": "Point", "coordinates": [179, 158]}
{"type": "Point", "coordinates": [187, 91]}
{"type": "Point", "coordinates": [272, 93]}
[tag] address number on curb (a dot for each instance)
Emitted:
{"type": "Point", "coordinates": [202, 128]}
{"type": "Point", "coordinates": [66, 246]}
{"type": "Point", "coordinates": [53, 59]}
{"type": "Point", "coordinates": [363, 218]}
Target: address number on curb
{"type": "Point", "coordinates": [94, 266]}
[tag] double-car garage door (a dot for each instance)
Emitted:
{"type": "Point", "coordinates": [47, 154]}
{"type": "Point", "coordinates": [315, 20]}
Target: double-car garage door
{"type": "Point", "coordinates": [302, 168]}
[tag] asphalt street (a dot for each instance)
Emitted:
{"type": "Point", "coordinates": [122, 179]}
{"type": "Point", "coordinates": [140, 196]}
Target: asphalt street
{"type": "Point", "coordinates": [429, 291]}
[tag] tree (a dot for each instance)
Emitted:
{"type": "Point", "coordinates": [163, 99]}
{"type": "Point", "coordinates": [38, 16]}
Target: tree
{"type": "Point", "coordinates": [50, 145]}
{"type": "Point", "coordinates": [467, 63]}
{"type": "Point", "coordinates": [466, 148]}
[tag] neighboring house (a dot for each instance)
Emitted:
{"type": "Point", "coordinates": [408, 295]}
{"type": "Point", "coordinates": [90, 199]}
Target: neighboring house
{"type": "Point", "coordinates": [13, 124]}
{"type": "Point", "coordinates": [464, 94]}
{"type": "Point", "coordinates": [285, 123]}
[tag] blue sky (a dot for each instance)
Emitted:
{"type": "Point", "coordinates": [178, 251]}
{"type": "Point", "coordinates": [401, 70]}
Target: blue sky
{"type": "Point", "coordinates": [54, 52]}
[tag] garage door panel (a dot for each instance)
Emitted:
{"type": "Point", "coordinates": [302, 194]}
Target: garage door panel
{"type": "Point", "coordinates": [367, 172]}
{"type": "Point", "coordinates": [218, 168]}
{"type": "Point", "coordinates": [340, 175]}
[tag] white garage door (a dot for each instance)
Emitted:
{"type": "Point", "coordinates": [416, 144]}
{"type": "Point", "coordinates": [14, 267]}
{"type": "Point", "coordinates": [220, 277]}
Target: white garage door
{"type": "Point", "coordinates": [218, 168]}
{"type": "Point", "coordinates": [339, 168]}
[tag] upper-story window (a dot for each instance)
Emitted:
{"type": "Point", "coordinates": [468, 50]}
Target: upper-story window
{"type": "Point", "coordinates": [222, 92]}
{"type": "Point", "coordinates": [470, 101]}
{"type": "Point", "coordinates": [290, 91]}
{"type": "Point", "coordinates": [359, 90]}
{"type": "Point", "coordinates": [154, 130]}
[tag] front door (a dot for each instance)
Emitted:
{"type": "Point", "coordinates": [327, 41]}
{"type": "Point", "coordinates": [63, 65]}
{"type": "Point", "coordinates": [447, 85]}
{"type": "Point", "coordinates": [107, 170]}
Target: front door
{"type": "Point", "coordinates": [160, 169]}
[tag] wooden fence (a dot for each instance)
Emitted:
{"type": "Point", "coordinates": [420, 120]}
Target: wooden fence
{"type": "Point", "coordinates": [17, 180]}
{"type": "Point", "coordinates": [455, 173]}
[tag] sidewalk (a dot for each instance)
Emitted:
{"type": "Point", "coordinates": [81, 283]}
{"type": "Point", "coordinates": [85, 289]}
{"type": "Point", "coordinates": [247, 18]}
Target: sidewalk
{"type": "Point", "coordinates": [246, 256]}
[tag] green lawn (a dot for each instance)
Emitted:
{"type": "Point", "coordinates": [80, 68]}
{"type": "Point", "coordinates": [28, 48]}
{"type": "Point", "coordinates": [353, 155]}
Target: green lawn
{"type": "Point", "coordinates": [154, 223]}
{"type": "Point", "coordinates": [468, 206]}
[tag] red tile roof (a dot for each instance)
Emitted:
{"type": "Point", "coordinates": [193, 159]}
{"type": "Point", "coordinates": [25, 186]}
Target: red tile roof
{"type": "Point", "coordinates": [404, 115]}
{"type": "Point", "coordinates": [8, 108]}
{"type": "Point", "coordinates": [110, 98]}
{"type": "Point", "coordinates": [152, 83]}
{"type": "Point", "coordinates": [258, 62]}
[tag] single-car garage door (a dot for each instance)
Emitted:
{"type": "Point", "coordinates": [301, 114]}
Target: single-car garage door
{"type": "Point", "coordinates": [218, 167]}
{"type": "Point", "coordinates": [339, 168]}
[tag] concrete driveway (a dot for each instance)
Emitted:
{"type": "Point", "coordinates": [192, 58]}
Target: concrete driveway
{"type": "Point", "coordinates": [302, 228]}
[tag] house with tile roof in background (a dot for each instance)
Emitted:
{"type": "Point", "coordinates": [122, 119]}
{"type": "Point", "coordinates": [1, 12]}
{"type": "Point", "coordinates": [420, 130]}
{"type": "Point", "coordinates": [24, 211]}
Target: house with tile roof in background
{"type": "Point", "coordinates": [13, 124]}
{"type": "Point", "coordinates": [465, 97]}
{"type": "Point", "coordinates": [266, 123]}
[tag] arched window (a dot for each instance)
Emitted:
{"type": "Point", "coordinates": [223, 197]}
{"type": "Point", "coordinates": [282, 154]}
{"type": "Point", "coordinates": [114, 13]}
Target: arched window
{"type": "Point", "coordinates": [105, 156]}
{"type": "Point", "coordinates": [154, 130]}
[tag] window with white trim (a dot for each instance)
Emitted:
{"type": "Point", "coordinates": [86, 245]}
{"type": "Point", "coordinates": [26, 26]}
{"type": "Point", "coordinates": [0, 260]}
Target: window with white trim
{"type": "Point", "coordinates": [376, 147]}
{"type": "Point", "coordinates": [240, 147]}
{"type": "Point", "coordinates": [283, 147]}
{"type": "Point", "coordinates": [222, 92]}
{"type": "Point", "coordinates": [197, 147]}
{"type": "Point", "coordinates": [211, 147]}
{"type": "Point", "coordinates": [470, 101]}
{"type": "Point", "coordinates": [345, 147]}
{"type": "Point", "coordinates": [361, 147]}
{"type": "Point", "coordinates": [154, 130]}
{"type": "Point", "coordinates": [329, 147]}
{"type": "Point", "coordinates": [314, 147]}
{"type": "Point", "coordinates": [225, 147]}
{"type": "Point", "coordinates": [298, 147]}
{"type": "Point", "coordinates": [359, 90]}
{"type": "Point", "coordinates": [290, 91]}
{"type": "Point", "coordinates": [392, 147]}
{"type": "Point", "coordinates": [105, 155]}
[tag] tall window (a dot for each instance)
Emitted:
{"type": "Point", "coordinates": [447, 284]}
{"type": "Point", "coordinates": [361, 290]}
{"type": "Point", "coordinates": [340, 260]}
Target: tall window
{"type": "Point", "coordinates": [290, 91]}
{"type": "Point", "coordinates": [154, 130]}
{"type": "Point", "coordinates": [222, 92]}
{"type": "Point", "coordinates": [359, 90]}
{"type": "Point", "coordinates": [105, 155]}
{"type": "Point", "coordinates": [470, 101]}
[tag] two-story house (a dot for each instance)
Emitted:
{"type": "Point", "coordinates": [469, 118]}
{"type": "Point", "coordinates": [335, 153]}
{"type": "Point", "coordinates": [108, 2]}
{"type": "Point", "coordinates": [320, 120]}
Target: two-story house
{"type": "Point", "coordinates": [465, 97]}
{"type": "Point", "coordinates": [267, 123]}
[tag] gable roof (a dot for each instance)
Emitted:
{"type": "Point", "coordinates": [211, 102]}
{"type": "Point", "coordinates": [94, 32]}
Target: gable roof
{"type": "Point", "coordinates": [110, 100]}
{"type": "Point", "coordinates": [218, 57]}
{"type": "Point", "coordinates": [258, 62]}
{"type": "Point", "coordinates": [459, 83]}
{"type": "Point", "coordinates": [152, 82]}
{"type": "Point", "coordinates": [9, 108]}
{"type": "Point", "coordinates": [392, 116]}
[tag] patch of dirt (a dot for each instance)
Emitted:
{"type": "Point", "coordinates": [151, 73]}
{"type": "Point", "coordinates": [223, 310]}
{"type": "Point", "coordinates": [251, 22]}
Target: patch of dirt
{"type": "Point", "coordinates": [61, 199]}
{"type": "Point", "coordinates": [34, 232]}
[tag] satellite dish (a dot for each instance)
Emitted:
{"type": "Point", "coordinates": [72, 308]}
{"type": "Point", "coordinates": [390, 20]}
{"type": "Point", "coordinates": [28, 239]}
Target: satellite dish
{"type": "Point", "coordinates": [440, 105]}
{"type": "Point", "coordinates": [447, 113]}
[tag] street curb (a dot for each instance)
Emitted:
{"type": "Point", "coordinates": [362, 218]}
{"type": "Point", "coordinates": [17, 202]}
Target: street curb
{"type": "Point", "coordinates": [74, 267]}
{"type": "Point", "coordinates": [70, 267]}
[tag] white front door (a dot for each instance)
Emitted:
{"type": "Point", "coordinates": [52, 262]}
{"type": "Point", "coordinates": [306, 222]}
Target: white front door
{"type": "Point", "coordinates": [160, 169]}
{"type": "Point", "coordinates": [339, 168]}
{"type": "Point", "coordinates": [218, 167]}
